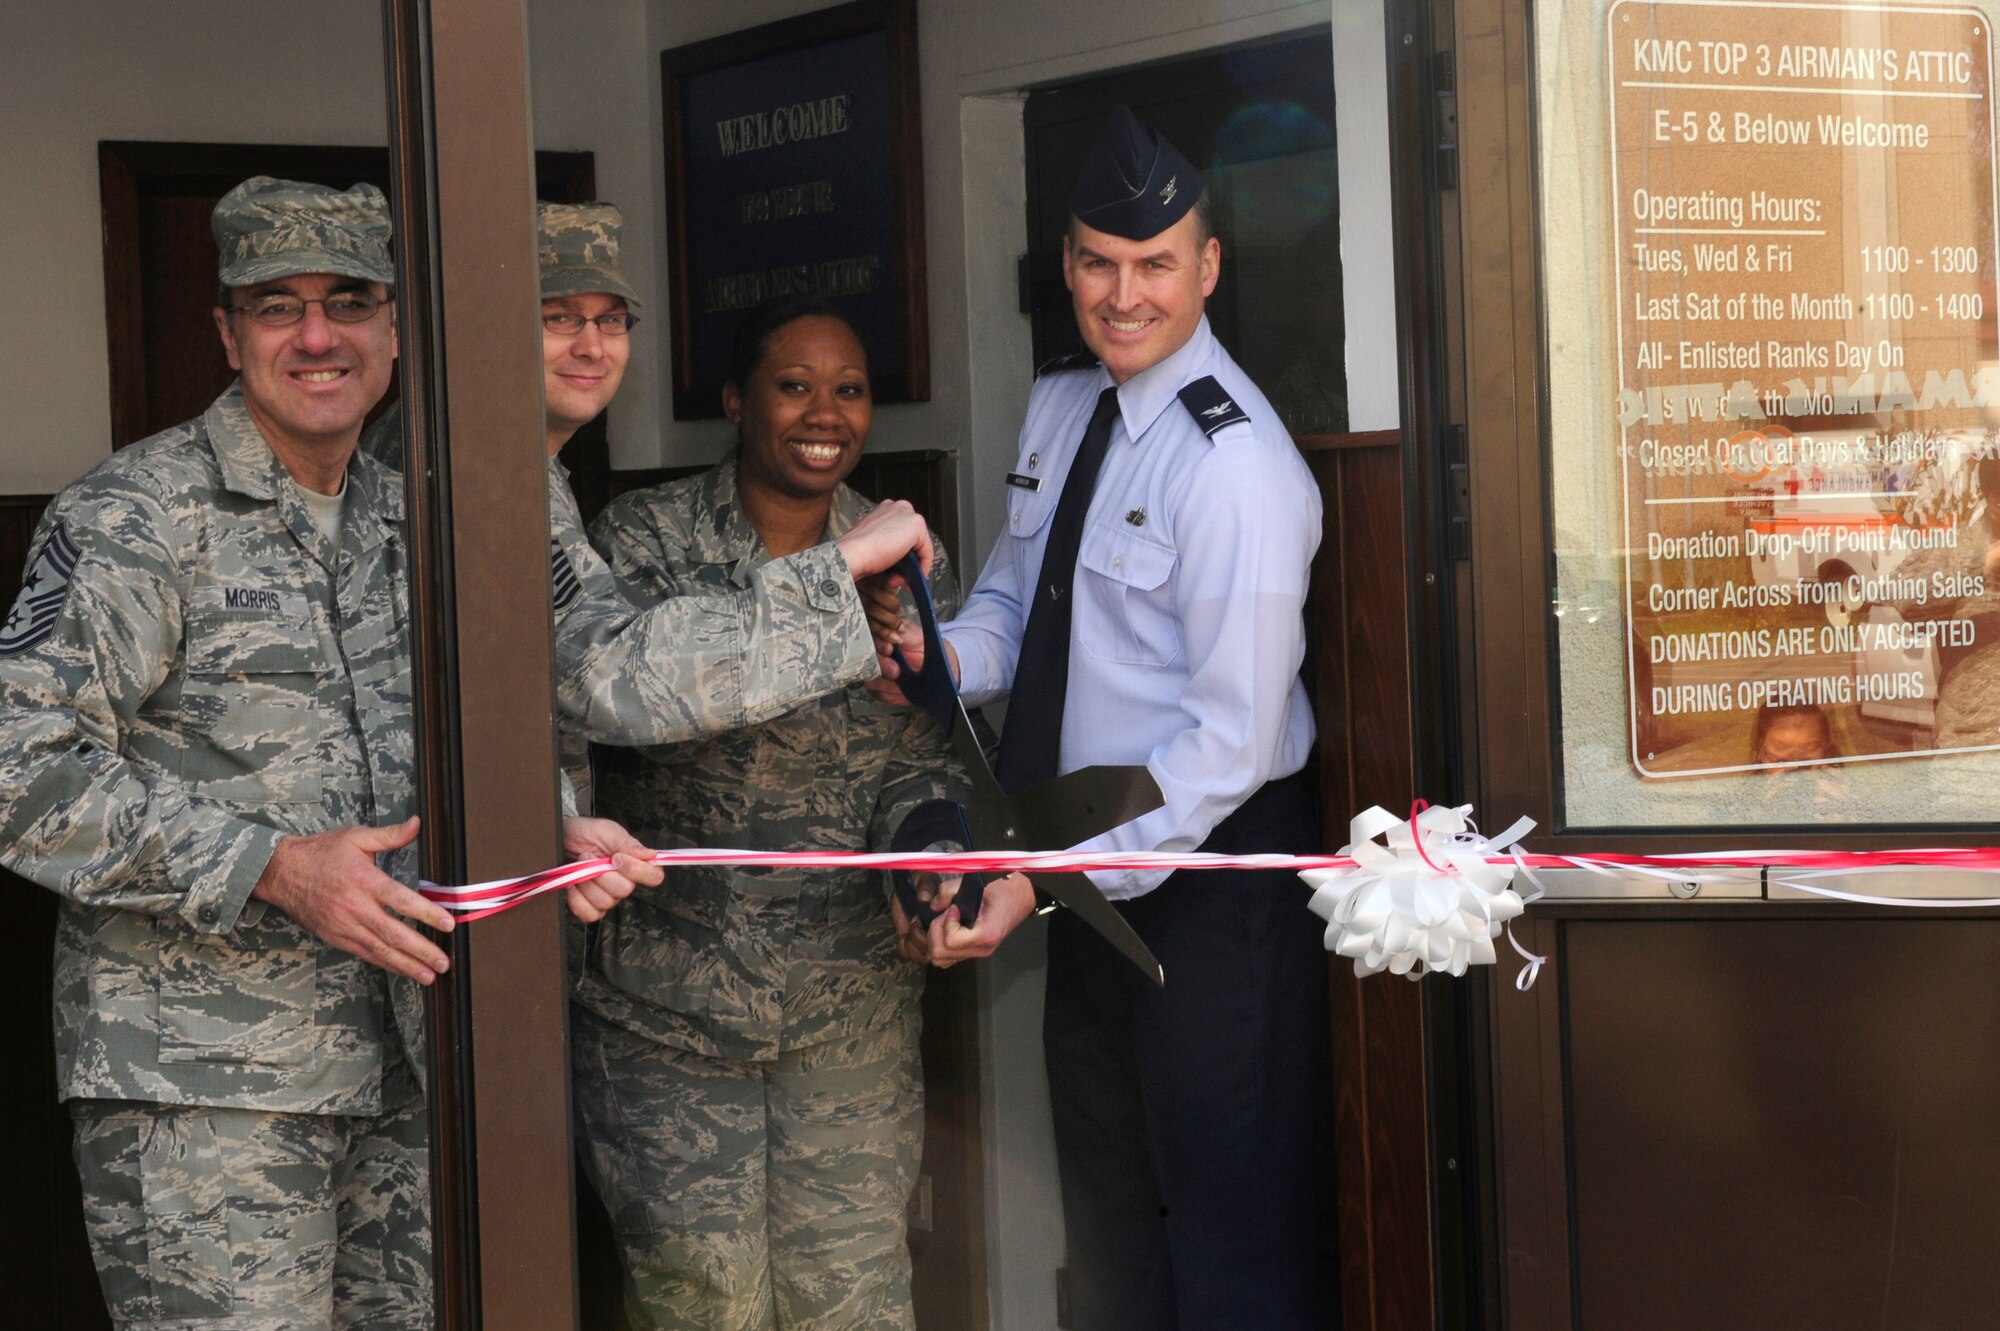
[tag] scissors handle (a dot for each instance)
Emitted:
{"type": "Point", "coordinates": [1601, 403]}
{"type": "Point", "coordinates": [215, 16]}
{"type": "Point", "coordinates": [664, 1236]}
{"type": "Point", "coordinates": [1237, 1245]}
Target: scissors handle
{"type": "Point", "coordinates": [935, 823]}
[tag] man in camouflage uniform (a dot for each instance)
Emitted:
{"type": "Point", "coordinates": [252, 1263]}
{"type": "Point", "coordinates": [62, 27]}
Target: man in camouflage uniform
{"type": "Point", "coordinates": [745, 1042]}
{"type": "Point", "coordinates": [205, 717]}
{"type": "Point", "coordinates": [686, 666]}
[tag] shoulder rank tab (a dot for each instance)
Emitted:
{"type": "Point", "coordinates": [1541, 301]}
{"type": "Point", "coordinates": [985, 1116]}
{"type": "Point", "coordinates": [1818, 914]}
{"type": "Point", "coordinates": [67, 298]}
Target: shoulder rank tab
{"type": "Point", "coordinates": [1080, 360]}
{"type": "Point", "coordinates": [565, 586]}
{"type": "Point", "coordinates": [1210, 405]}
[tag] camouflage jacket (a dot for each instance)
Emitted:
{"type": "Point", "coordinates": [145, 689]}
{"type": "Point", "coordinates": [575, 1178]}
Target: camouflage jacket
{"type": "Point", "coordinates": [192, 673]}
{"type": "Point", "coordinates": [687, 667]}
{"type": "Point", "coordinates": [742, 963]}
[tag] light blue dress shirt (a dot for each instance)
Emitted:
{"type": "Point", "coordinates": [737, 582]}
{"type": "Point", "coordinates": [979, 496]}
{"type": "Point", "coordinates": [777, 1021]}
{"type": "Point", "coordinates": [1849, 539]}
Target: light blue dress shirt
{"type": "Point", "coordinates": [1188, 627]}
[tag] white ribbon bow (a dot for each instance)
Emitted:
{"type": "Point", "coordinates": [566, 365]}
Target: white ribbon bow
{"type": "Point", "coordinates": [1426, 898]}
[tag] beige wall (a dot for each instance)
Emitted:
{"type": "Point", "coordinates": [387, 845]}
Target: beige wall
{"type": "Point", "coordinates": [75, 73]}
{"type": "Point", "coordinates": [302, 71]}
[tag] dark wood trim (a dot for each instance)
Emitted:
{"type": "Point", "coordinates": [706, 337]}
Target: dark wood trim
{"type": "Point", "coordinates": [1503, 342]}
{"type": "Point", "coordinates": [1325, 443]}
{"type": "Point", "coordinates": [1531, 1164]}
{"type": "Point", "coordinates": [498, 1061]}
{"type": "Point", "coordinates": [1361, 692]}
{"type": "Point", "coordinates": [124, 324]}
{"type": "Point", "coordinates": [909, 381]}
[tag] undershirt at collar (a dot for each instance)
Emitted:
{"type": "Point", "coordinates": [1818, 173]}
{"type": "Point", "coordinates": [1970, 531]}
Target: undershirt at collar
{"type": "Point", "coordinates": [327, 511]}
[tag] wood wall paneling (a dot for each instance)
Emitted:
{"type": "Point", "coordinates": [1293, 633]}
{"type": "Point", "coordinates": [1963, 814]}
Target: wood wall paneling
{"type": "Point", "coordinates": [1361, 684]}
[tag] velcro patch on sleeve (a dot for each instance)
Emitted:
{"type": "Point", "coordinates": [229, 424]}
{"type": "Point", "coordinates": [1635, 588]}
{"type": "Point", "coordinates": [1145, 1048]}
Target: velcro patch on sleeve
{"type": "Point", "coordinates": [43, 593]}
{"type": "Point", "coordinates": [563, 582]}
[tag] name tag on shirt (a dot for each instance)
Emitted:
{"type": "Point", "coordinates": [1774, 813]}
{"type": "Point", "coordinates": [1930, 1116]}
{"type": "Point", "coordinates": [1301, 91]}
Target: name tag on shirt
{"type": "Point", "coordinates": [1023, 481]}
{"type": "Point", "coordinates": [262, 602]}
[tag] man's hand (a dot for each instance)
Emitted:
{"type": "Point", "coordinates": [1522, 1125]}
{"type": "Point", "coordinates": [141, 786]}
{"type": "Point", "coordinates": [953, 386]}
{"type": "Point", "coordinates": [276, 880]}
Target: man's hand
{"type": "Point", "coordinates": [910, 637]}
{"type": "Point", "coordinates": [330, 884]}
{"type": "Point", "coordinates": [1007, 902]}
{"type": "Point", "coordinates": [884, 609]}
{"type": "Point", "coordinates": [912, 943]}
{"type": "Point", "coordinates": [884, 535]}
{"type": "Point", "coordinates": [631, 866]}
{"type": "Point", "coordinates": [1992, 562]}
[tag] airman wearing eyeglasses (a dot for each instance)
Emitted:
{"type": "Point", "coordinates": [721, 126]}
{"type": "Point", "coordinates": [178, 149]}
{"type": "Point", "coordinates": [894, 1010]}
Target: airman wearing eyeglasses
{"type": "Point", "coordinates": [205, 745]}
{"type": "Point", "coordinates": [687, 667]}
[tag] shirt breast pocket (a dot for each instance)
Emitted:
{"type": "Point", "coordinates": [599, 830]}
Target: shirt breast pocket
{"type": "Point", "coordinates": [1124, 587]}
{"type": "Point", "coordinates": [1028, 511]}
{"type": "Point", "coordinates": [250, 703]}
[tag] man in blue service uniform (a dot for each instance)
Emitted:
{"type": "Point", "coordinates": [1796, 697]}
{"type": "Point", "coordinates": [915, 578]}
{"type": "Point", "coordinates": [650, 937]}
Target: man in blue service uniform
{"type": "Point", "coordinates": [1144, 605]}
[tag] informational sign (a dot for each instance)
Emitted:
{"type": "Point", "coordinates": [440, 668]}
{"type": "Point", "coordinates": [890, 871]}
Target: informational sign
{"type": "Point", "coordinates": [1805, 234]}
{"type": "Point", "coordinates": [793, 172]}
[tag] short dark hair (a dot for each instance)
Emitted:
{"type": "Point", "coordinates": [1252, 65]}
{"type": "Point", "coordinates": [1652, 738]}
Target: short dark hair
{"type": "Point", "coordinates": [761, 322]}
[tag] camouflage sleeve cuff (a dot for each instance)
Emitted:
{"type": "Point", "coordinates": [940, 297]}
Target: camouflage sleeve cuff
{"type": "Point", "coordinates": [828, 582]}
{"type": "Point", "coordinates": [217, 898]}
{"type": "Point", "coordinates": [800, 652]}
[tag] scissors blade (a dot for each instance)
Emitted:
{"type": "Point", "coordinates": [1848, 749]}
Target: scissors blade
{"type": "Point", "coordinates": [1088, 802]}
{"type": "Point", "coordinates": [996, 825]}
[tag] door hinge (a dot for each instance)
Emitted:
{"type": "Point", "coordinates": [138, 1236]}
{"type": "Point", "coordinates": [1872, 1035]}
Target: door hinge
{"type": "Point", "coordinates": [1458, 494]}
{"type": "Point", "coordinates": [1444, 82]}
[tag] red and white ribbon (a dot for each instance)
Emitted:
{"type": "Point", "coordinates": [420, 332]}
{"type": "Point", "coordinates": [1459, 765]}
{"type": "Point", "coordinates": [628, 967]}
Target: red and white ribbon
{"type": "Point", "coordinates": [1405, 895]}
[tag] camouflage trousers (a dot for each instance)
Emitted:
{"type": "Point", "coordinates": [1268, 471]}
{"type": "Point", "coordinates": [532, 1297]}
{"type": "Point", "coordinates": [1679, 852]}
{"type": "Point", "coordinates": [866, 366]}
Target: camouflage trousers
{"type": "Point", "coordinates": [751, 1195]}
{"type": "Point", "coordinates": [256, 1221]}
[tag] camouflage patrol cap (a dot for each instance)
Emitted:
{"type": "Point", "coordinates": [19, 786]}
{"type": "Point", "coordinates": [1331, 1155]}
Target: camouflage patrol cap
{"type": "Point", "coordinates": [579, 250]}
{"type": "Point", "coordinates": [266, 229]}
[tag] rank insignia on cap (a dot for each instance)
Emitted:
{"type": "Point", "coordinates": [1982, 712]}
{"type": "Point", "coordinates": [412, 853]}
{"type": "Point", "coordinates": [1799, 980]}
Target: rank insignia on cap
{"type": "Point", "coordinates": [563, 582]}
{"type": "Point", "coordinates": [1134, 184]}
{"type": "Point", "coordinates": [43, 592]}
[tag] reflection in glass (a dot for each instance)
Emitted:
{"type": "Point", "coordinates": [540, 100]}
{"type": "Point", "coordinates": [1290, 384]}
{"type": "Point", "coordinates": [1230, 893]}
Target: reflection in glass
{"type": "Point", "coordinates": [1769, 246]}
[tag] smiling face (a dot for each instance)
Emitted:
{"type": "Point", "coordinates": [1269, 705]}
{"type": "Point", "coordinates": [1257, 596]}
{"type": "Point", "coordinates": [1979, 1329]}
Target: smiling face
{"type": "Point", "coordinates": [580, 371]}
{"type": "Point", "coordinates": [1137, 302]}
{"type": "Point", "coordinates": [309, 386]}
{"type": "Point", "coordinates": [805, 413]}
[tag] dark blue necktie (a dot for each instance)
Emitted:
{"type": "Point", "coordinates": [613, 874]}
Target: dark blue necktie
{"type": "Point", "coordinates": [1031, 741]}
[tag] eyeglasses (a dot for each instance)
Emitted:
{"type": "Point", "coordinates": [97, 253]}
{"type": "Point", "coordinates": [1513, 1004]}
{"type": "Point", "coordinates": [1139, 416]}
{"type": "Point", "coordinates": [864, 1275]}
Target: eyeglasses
{"type": "Point", "coordinates": [281, 311]}
{"type": "Point", "coordinates": [564, 324]}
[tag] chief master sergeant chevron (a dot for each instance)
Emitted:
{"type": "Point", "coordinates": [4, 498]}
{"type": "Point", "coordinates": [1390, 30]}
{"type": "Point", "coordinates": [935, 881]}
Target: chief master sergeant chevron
{"type": "Point", "coordinates": [1144, 605]}
{"type": "Point", "coordinates": [205, 742]}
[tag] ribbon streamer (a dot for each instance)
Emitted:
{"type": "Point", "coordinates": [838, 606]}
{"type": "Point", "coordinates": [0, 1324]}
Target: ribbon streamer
{"type": "Point", "coordinates": [1406, 895]}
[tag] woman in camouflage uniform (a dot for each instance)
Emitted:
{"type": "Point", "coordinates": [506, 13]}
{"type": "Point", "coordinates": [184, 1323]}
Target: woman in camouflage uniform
{"type": "Point", "coordinates": [746, 1056]}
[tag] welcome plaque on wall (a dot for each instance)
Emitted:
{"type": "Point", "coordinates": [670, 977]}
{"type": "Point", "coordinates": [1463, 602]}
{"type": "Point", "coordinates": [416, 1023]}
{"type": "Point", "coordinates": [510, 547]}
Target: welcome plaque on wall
{"type": "Point", "coordinates": [1805, 231]}
{"type": "Point", "coordinates": [794, 169]}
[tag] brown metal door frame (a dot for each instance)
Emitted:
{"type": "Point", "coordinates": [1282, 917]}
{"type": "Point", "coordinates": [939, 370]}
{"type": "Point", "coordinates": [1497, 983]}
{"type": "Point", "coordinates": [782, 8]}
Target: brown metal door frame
{"type": "Point", "coordinates": [462, 149]}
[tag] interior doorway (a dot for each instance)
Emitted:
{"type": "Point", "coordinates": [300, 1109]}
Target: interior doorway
{"type": "Point", "coordinates": [1258, 122]}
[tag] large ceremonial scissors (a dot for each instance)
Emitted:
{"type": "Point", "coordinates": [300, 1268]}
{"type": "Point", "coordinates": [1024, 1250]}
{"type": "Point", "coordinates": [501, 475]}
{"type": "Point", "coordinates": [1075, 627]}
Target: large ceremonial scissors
{"type": "Point", "coordinates": [1061, 812]}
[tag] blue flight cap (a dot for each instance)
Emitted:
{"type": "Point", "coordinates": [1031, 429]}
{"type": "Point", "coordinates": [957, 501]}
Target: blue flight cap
{"type": "Point", "coordinates": [1134, 184]}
